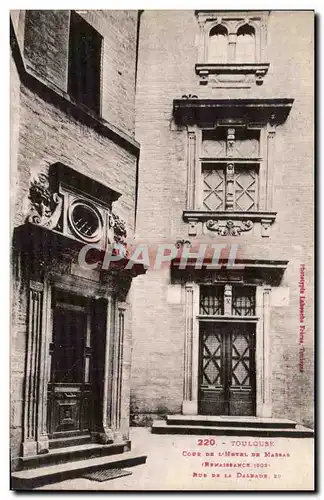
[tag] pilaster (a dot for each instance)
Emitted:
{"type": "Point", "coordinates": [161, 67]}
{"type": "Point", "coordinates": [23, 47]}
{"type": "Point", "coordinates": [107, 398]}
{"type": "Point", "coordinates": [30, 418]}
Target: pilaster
{"type": "Point", "coordinates": [107, 431]}
{"type": "Point", "coordinates": [266, 353]}
{"type": "Point", "coordinates": [191, 166]}
{"type": "Point", "coordinates": [271, 132]}
{"type": "Point", "coordinates": [263, 362]}
{"type": "Point", "coordinates": [118, 372]}
{"type": "Point", "coordinates": [44, 372]}
{"type": "Point", "coordinates": [191, 346]}
{"type": "Point", "coordinates": [29, 445]}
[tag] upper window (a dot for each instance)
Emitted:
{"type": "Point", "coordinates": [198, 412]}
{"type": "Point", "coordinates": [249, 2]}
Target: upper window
{"type": "Point", "coordinates": [232, 48]}
{"type": "Point", "coordinates": [239, 47]}
{"type": "Point", "coordinates": [245, 44]}
{"type": "Point", "coordinates": [218, 44]}
{"type": "Point", "coordinates": [84, 63]}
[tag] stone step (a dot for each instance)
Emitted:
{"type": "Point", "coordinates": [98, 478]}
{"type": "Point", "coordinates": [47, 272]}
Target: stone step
{"type": "Point", "coordinates": [69, 441]}
{"type": "Point", "coordinates": [33, 478]}
{"type": "Point", "coordinates": [229, 421]}
{"type": "Point", "coordinates": [57, 456]}
{"type": "Point", "coordinates": [161, 427]}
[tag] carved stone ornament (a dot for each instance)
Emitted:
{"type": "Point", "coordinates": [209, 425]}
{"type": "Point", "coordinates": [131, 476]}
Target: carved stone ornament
{"type": "Point", "coordinates": [119, 228]}
{"type": "Point", "coordinates": [59, 266]}
{"type": "Point", "coordinates": [189, 96]}
{"type": "Point", "coordinates": [229, 228]}
{"type": "Point", "coordinates": [182, 243]}
{"type": "Point", "coordinates": [46, 208]}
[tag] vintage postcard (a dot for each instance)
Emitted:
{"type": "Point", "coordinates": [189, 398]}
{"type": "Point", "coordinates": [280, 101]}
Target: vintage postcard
{"type": "Point", "coordinates": [162, 250]}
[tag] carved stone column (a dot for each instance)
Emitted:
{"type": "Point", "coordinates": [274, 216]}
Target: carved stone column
{"type": "Point", "coordinates": [190, 402]}
{"type": "Point", "coordinates": [45, 334]}
{"type": "Point", "coordinates": [229, 186]}
{"type": "Point", "coordinates": [266, 353]}
{"type": "Point", "coordinates": [117, 373]}
{"type": "Point", "coordinates": [29, 445]}
{"type": "Point", "coordinates": [262, 42]}
{"type": "Point", "coordinates": [230, 143]}
{"type": "Point", "coordinates": [231, 47]}
{"type": "Point", "coordinates": [228, 300]}
{"type": "Point", "coordinates": [263, 363]}
{"type": "Point", "coordinates": [191, 167]}
{"type": "Point", "coordinates": [270, 167]}
{"type": "Point", "coordinates": [259, 353]}
{"type": "Point", "coordinates": [202, 49]}
{"type": "Point", "coordinates": [108, 434]}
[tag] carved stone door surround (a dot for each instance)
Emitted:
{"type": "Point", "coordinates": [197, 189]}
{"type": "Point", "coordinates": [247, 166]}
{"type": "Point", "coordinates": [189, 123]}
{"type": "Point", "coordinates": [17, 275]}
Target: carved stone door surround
{"type": "Point", "coordinates": [39, 334]}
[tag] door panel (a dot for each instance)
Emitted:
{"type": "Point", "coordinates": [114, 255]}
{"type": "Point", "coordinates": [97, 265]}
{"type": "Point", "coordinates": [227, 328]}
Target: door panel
{"type": "Point", "coordinates": [242, 373]}
{"type": "Point", "coordinates": [227, 369]}
{"type": "Point", "coordinates": [69, 390]}
{"type": "Point", "coordinates": [212, 372]}
{"type": "Point", "coordinates": [69, 341]}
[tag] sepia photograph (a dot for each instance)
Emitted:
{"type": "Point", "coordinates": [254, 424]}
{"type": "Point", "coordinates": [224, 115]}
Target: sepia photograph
{"type": "Point", "coordinates": [162, 250]}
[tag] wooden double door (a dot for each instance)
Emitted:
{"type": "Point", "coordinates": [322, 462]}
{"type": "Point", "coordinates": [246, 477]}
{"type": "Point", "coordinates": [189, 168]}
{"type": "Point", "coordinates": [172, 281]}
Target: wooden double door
{"type": "Point", "coordinates": [227, 379]}
{"type": "Point", "coordinates": [76, 352]}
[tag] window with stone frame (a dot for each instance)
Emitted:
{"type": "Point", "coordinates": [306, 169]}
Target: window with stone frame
{"type": "Point", "coordinates": [240, 48]}
{"type": "Point", "coordinates": [232, 48]}
{"type": "Point", "coordinates": [227, 300]}
{"type": "Point", "coordinates": [211, 300]}
{"type": "Point", "coordinates": [230, 163]}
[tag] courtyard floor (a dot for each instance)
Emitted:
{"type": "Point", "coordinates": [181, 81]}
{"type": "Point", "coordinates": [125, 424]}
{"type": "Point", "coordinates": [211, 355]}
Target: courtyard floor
{"type": "Point", "coordinates": [178, 462]}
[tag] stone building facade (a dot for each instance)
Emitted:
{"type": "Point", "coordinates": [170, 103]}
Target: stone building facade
{"type": "Point", "coordinates": [73, 182]}
{"type": "Point", "coordinates": [224, 116]}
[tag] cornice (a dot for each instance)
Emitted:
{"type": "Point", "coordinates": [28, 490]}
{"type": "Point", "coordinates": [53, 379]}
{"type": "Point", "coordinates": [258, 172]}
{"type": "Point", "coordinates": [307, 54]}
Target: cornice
{"type": "Point", "coordinates": [191, 109]}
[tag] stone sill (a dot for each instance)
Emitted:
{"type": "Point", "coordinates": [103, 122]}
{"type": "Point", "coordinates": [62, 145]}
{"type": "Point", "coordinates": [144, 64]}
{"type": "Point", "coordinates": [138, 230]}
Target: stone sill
{"type": "Point", "coordinates": [228, 223]}
{"type": "Point", "coordinates": [228, 319]}
{"type": "Point", "coordinates": [232, 73]}
{"type": "Point", "coordinates": [204, 215]}
{"type": "Point", "coordinates": [231, 159]}
{"type": "Point", "coordinates": [232, 68]}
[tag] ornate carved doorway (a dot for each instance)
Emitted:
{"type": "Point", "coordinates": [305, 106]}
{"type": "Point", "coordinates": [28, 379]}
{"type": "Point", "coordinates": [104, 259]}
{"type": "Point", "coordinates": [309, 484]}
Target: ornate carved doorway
{"type": "Point", "coordinates": [227, 381]}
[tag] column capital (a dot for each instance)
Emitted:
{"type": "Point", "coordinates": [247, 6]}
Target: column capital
{"type": "Point", "coordinates": [271, 128]}
{"type": "Point", "coordinates": [36, 286]}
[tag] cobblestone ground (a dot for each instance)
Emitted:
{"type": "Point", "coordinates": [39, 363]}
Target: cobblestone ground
{"type": "Point", "coordinates": [172, 465]}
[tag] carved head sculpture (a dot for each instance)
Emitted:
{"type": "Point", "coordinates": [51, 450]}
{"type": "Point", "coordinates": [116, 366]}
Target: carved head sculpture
{"type": "Point", "coordinates": [40, 195]}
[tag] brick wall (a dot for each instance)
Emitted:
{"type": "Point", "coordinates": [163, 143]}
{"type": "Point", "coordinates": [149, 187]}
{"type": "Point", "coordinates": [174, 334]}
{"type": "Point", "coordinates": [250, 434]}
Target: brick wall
{"type": "Point", "coordinates": [46, 44]}
{"type": "Point", "coordinates": [48, 135]}
{"type": "Point", "coordinates": [165, 72]}
{"type": "Point", "coordinates": [46, 48]}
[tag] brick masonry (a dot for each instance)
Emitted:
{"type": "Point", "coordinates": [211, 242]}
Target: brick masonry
{"type": "Point", "coordinates": [46, 48]}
